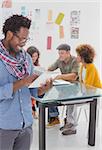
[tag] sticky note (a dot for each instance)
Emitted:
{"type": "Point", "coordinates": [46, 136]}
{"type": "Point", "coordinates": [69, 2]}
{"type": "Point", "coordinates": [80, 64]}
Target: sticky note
{"type": "Point", "coordinates": [49, 15]}
{"type": "Point", "coordinates": [61, 32]}
{"type": "Point", "coordinates": [49, 42]}
{"type": "Point", "coordinates": [23, 10]}
{"type": "Point", "coordinates": [7, 4]}
{"type": "Point", "coordinates": [59, 18]}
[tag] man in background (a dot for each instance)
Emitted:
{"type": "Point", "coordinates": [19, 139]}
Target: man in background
{"type": "Point", "coordinates": [68, 66]}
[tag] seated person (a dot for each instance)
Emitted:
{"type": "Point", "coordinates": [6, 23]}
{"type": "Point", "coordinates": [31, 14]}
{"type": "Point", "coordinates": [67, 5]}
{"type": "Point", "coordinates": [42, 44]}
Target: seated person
{"type": "Point", "coordinates": [88, 73]}
{"type": "Point", "coordinates": [69, 68]}
{"type": "Point", "coordinates": [34, 53]}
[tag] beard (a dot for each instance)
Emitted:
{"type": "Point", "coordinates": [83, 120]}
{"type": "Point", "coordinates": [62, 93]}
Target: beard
{"type": "Point", "coordinates": [13, 50]}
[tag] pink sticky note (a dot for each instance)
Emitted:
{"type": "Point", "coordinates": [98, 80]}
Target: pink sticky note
{"type": "Point", "coordinates": [49, 42]}
{"type": "Point", "coordinates": [7, 4]}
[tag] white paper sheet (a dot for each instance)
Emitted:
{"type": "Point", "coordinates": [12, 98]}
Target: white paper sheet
{"type": "Point", "coordinates": [61, 82]}
{"type": "Point", "coordinates": [43, 77]}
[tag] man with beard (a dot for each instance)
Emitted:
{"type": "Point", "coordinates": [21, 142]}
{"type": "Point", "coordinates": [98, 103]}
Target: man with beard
{"type": "Point", "coordinates": [16, 73]}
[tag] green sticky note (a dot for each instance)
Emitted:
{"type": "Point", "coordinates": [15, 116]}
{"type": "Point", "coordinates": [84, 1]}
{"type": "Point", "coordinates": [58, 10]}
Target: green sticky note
{"type": "Point", "coordinates": [59, 18]}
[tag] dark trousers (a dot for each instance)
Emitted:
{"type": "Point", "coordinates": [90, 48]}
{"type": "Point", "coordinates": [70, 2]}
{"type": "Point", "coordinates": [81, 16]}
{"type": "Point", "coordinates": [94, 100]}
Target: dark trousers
{"type": "Point", "coordinates": [16, 139]}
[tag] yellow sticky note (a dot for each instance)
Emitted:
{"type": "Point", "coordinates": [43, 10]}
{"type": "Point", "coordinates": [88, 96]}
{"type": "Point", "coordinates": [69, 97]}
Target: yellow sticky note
{"type": "Point", "coordinates": [61, 32]}
{"type": "Point", "coordinates": [59, 18]}
{"type": "Point", "coordinates": [49, 15]}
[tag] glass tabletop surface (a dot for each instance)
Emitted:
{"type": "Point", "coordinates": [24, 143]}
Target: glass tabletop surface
{"type": "Point", "coordinates": [75, 91]}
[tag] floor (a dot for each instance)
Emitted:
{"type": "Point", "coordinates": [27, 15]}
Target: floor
{"type": "Point", "coordinates": [56, 141]}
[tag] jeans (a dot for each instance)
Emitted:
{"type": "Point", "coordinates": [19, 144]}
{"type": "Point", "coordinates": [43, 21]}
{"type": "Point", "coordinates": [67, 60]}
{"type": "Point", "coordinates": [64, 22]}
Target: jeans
{"type": "Point", "coordinates": [52, 112]}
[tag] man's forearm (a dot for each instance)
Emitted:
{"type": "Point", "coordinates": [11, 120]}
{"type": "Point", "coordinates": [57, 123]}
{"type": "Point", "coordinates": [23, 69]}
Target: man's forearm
{"type": "Point", "coordinates": [24, 82]}
{"type": "Point", "coordinates": [17, 85]}
{"type": "Point", "coordinates": [68, 77]}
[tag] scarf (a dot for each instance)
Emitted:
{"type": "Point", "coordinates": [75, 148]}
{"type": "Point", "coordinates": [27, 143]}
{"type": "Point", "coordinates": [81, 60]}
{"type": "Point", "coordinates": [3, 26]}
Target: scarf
{"type": "Point", "coordinates": [15, 66]}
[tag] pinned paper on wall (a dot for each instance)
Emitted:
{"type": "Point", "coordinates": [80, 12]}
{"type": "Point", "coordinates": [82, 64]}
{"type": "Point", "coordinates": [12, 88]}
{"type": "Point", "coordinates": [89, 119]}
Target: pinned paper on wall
{"type": "Point", "coordinates": [59, 18]}
{"type": "Point", "coordinates": [49, 42]}
{"type": "Point", "coordinates": [37, 14]}
{"type": "Point", "coordinates": [61, 32]}
{"type": "Point", "coordinates": [23, 11]}
{"type": "Point", "coordinates": [7, 4]}
{"type": "Point", "coordinates": [74, 33]}
{"type": "Point", "coordinates": [6, 12]}
{"type": "Point", "coordinates": [30, 15]}
{"type": "Point", "coordinates": [75, 18]}
{"type": "Point", "coordinates": [50, 26]}
{"type": "Point", "coordinates": [49, 15]}
{"type": "Point", "coordinates": [74, 24]}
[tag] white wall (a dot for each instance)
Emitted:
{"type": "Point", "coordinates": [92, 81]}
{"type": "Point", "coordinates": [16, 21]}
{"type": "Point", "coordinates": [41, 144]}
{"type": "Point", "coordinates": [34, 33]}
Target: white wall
{"type": "Point", "coordinates": [89, 26]}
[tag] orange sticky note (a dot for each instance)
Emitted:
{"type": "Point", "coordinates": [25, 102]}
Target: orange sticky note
{"type": "Point", "coordinates": [61, 32]}
{"type": "Point", "coordinates": [49, 15]}
{"type": "Point", "coordinates": [49, 42]}
{"type": "Point", "coordinates": [59, 18]}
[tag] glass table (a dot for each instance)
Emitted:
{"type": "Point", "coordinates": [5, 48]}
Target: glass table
{"type": "Point", "coordinates": [74, 93]}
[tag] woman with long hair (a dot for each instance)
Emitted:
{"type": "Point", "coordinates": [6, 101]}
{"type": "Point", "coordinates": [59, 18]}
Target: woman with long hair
{"type": "Point", "coordinates": [34, 53]}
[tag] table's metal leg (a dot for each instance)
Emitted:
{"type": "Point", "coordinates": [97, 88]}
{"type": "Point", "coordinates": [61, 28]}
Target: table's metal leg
{"type": "Point", "coordinates": [48, 115]}
{"type": "Point", "coordinates": [42, 133]}
{"type": "Point", "coordinates": [92, 122]}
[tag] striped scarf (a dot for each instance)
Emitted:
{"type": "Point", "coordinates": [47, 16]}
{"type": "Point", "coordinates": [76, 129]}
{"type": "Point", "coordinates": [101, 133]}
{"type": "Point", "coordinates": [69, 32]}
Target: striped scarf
{"type": "Point", "coordinates": [16, 67]}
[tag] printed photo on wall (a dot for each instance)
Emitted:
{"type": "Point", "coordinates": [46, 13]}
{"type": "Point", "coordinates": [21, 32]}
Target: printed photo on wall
{"type": "Point", "coordinates": [74, 33]}
{"type": "Point", "coordinates": [75, 18]}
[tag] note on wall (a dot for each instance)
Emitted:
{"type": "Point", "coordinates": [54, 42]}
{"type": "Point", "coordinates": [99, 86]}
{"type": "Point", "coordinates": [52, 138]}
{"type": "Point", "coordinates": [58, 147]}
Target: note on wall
{"type": "Point", "coordinates": [74, 24]}
{"type": "Point", "coordinates": [49, 42]}
{"type": "Point", "coordinates": [75, 18]}
{"type": "Point", "coordinates": [37, 14]}
{"type": "Point", "coordinates": [49, 15]}
{"type": "Point", "coordinates": [61, 32]}
{"type": "Point", "coordinates": [7, 4]}
{"type": "Point", "coordinates": [74, 32]}
{"type": "Point", "coordinates": [24, 11]}
{"type": "Point", "coordinates": [30, 15]}
{"type": "Point", "coordinates": [59, 18]}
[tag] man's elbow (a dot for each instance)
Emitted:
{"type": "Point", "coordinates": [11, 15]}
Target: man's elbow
{"type": "Point", "coordinates": [74, 77]}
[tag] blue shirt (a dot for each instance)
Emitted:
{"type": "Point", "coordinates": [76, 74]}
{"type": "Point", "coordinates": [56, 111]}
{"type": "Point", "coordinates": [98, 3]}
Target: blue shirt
{"type": "Point", "coordinates": [15, 108]}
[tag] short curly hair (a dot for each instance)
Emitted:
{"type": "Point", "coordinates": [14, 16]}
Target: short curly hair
{"type": "Point", "coordinates": [86, 52]}
{"type": "Point", "coordinates": [14, 23]}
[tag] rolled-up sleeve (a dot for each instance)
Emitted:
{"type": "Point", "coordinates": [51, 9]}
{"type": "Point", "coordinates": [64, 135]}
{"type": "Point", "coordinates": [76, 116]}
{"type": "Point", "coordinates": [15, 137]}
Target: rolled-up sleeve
{"type": "Point", "coordinates": [34, 92]}
{"type": "Point", "coordinates": [6, 91]}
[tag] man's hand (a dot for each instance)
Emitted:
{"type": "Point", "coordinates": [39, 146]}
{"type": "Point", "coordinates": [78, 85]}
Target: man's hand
{"type": "Point", "coordinates": [45, 87]}
{"type": "Point", "coordinates": [29, 79]}
{"type": "Point", "coordinates": [26, 81]}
